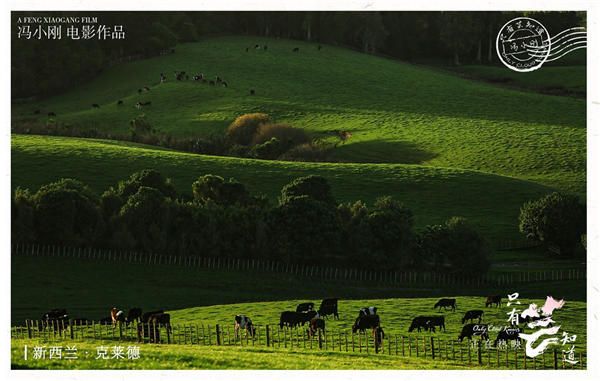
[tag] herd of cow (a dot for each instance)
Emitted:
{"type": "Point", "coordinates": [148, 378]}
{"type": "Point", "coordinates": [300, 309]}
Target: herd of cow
{"type": "Point", "coordinates": [305, 313]}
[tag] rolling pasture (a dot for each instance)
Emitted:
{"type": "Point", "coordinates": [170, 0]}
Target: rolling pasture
{"type": "Point", "coordinates": [397, 113]}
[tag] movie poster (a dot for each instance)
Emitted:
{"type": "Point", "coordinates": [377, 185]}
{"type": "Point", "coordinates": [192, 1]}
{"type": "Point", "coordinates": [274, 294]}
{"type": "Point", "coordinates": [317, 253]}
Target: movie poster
{"type": "Point", "coordinates": [271, 188]}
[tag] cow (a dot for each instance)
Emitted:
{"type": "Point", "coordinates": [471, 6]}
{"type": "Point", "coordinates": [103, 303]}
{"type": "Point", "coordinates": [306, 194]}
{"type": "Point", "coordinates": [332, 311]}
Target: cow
{"type": "Point", "coordinates": [134, 314]}
{"type": "Point", "coordinates": [56, 318]}
{"type": "Point", "coordinates": [161, 319]}
{"type": "Point", "coordinates": [472, 314]}
{"type": "Point", "coordinates": [507, 334]}
{"type": "Point", "coordinates": [367, 311]}
{"type": "Point", "coordinates": [446, 303]}
{"type": "Point", "coordinates": [245, 323]}
{"type": "Point", "coordinates": [471, 330]}
{"type": "Point", "coordinates": [224, 84]}
{"type": "Point", "coordinates": [119, 102]}
{"type": "Point", "coordinates": [493, 300]}
{"type": "Point", "coordinates": [436, 321]}
{"type": "Point", "coordinates": [252, 92]}
{"type": "Point", "coordinates": [304, 307]}
{"type": "Point", "coordinates": [378, 336]}
{"type": "Point", "coordinates": [51, 113]}
{"type": "Point", "coordinates": [95, 105]}
{"type": "Point", "coordinates": [295, 50]}
{"type": "Point", "coordinates": [329, 307]}
{"type": "Point", "coordinates": [363, 323]}
{"type": "Point", "coordinates": [257, 46]}
{"type": "Point", "coordinates": [117, 316]}
{"type": "Point", "coordinates": [146, 315]}
{"type": "Point", "coordinates": [315, 325]}
{"type": "Point", "coordinates": [293, 318]}
{"type": "Point", "coordinates": [419, 322]}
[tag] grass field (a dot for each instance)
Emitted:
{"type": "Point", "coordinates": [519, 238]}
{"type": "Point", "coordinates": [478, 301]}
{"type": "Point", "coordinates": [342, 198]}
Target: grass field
{"type": "Point", "coordinates": [398, 113]}
{"type": "Point", "coordinates": [193, 357]}
{"type": "Point", "coordinates": [83, 289]}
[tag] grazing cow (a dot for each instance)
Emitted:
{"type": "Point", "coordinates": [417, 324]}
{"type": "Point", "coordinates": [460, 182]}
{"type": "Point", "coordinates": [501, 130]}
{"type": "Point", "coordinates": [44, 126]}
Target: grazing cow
{"type": "Point", "coordinates": [51, 113]}
{"type": "Point", "coordinates": [139, 105]}
{"type": "Point", "coordinates": [507, 334]}
{"type": "Point", "coordinates": [211, 82]}
{"type": "Point", "coordinates": [245, 323]}
{"type": "Point", "coordinates": [36, 112]}
{"type": "Point", "coordinates": [119, 102]}
{"type": "Point", "coordinates": [252, 92]}
{"type": "Point", "coordinates": [218, 79]}
{"type": "Point", "coordinates": [139, 91]}
{"type": "Point", "coordinates": [117, 316]}
{"type": "Point", "coordinates": [146, 315]}
{"type": "Point", "coordinates": [329, 307]}
{"type": "Point", "coordinates": [246, 50]}
{"type": "Point", "coordinates": [146, 88]}
{"type": "Point", "coordinates": [296, 50]}
{"type": "Point", "coordinates": [95, 105]}
{"type": "Point", "coordinates": [161, 320]}
{"type": "Point", "coordinates": [134, 314]}
{"type": "Point", "coordinates": [304, 307]}
{"type": "Point", "coordinates": [362, 323]}
{"type": "Point", "coordinates": [471, 330]}
{"type": "Point", "coordinates": [436, 321]}
{"type": "Point", "coordinates": [367, 311]}
{"type": "Point", "coordinates": [187, 77]}
{"type": "Point", "coordinates": [257, 46]}
{"type": "Point", "coordinates": [493, 300]}
{"type": "Point", "coordinates": [224, 84]}
{"type": "Point", "coordinates": [420, 322]}
{"type": "Point", "coordinates": [56, 318]}
{"type": "Point", "coordinates": [315, 325]}
{"type": "Point", "coordinates": [292, 318]}
{"type": "Point", "coordinates": [446, 303]}
{"type": "Point", "coordinates": [378, 336]}
{"type": "Point", "coordinates": [472, 314]}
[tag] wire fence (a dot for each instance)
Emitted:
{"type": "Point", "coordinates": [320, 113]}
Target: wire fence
{"type": "Point", "coordinates": [308, 271]}
{"type": "Point", "coordinates": [472, 353]}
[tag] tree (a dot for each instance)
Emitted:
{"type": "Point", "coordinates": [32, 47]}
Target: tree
{"type": "Point", "coordinates": [211, 188]}
{"type": "Point", "coordinates": [315, 187]}
{"type": "Point", "coordinates": [146, 178]}
{"type": "Point", "coordinates": [454, 247]}
{"type": "Point", "coordinates": [22, 217]}
{"type": "Point", "coordinates": [556, 220]}
{"type": "Point", "coordinates": [304, 230]}
{"type": "Point", "coordinates": [67, 213]}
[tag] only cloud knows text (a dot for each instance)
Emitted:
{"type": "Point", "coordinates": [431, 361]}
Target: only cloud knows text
{"type": "Point", "coordinates": [57, 20]}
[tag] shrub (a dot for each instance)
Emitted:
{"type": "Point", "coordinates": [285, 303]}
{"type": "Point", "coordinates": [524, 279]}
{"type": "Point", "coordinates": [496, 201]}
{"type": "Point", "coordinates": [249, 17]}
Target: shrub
{"type": "Point", "coordinates": [556, 220]}
{"type": "Point", "coordinates": [315, 187]}
{"type": "Point", "coordinates": [211, 188]}
{"type": "Point", "coordinates": [288, 136]}
{"type": "Point", "coordinates": [307, 152]}
{"type": "Point", "coordinates": [139, 126]}
{"type": "Point", "coordinates": [244, 127]}
{"type": "Point", "coordinates": [271, 149]}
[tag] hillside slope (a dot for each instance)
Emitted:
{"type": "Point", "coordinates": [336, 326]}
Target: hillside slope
{"type": "Point", "coordinates": [490, 202]}
{"type": "Point", "coordinates": [397, 113]}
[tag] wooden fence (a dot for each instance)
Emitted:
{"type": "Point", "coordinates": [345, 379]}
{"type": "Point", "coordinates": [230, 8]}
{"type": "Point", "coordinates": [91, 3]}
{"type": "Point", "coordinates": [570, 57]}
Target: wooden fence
{"type": "Point", "coordinates": [409, 278]}
{"type": "Point", "coordinates": [473, 353]}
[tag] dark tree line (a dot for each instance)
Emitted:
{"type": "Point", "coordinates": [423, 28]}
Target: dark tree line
{"type": "Point", "coordinates": [222, 219]}
{"type": "Point", "coordinates": [43, 67]}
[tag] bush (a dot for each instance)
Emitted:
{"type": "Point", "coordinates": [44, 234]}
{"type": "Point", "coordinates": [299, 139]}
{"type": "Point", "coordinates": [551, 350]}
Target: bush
{"type": "Point", "coordinates": [315, 187]}
{"type": "Point", "coordinates": [244, 127]}
{"type": "Point", "coordinates": [556, 220]}
{"type": "Point", "coordinates": [139, 126]}
{"type": "Point", "coordinates": [307, 152]}
{"type": "Point", "coordinates": [288, 136]}
{"type": "Point", "coordinates": [211, 188]}
{"type": "Point", "coordinates": [270, 150]}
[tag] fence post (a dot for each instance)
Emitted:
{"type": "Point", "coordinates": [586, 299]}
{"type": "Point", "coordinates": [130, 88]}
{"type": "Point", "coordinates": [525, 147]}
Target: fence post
{"type": "Point", "coordinates": [479, 352]}
{"type": "Point", "coordinates": [267, 333]}
{"type": "Point", "coordinates": [320, 339]}
{"type": "Point", "coordinates": [218, 333]}
{"type": "Point", "coordinates": [555, 359]}
{"type": "Point", "coordinates": [71, 328]}
{"type": "Point", "coordinates": [432, 348]}
{"type": "Point", "coordinates": [29, 333]}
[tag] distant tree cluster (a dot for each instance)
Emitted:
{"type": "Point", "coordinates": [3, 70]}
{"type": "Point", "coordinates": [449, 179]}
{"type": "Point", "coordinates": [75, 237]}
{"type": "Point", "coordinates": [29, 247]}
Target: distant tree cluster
{"type": "Point", "coordinates": [42, 67]}
{"type": "Point", "coordinates": [223, 219]}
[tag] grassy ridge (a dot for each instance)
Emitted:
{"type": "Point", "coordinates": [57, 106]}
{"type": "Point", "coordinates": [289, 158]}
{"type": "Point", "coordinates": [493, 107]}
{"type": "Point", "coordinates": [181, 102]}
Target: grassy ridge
{"type": "Point", "coordinates": [398, 113]}
{"type": "Point", "coordinates": [434, 194]}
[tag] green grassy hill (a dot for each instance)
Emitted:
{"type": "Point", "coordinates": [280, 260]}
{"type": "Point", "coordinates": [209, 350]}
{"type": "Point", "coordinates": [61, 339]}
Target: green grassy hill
{"type": "Point", "coordinates": [434, 194]}
{"type": "Point", "coordinates": [397, 113]}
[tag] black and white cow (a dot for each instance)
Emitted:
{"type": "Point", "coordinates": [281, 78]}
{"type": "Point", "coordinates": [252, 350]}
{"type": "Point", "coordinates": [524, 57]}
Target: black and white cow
{"type": "Point", "coordinates": [304, 307]}
{"type": "Point", "coordinates": [367, 311]}
{"type": "Point", "coordinates": [245, 323]}
{"type": "Point", "coordinates": [362, 323]}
